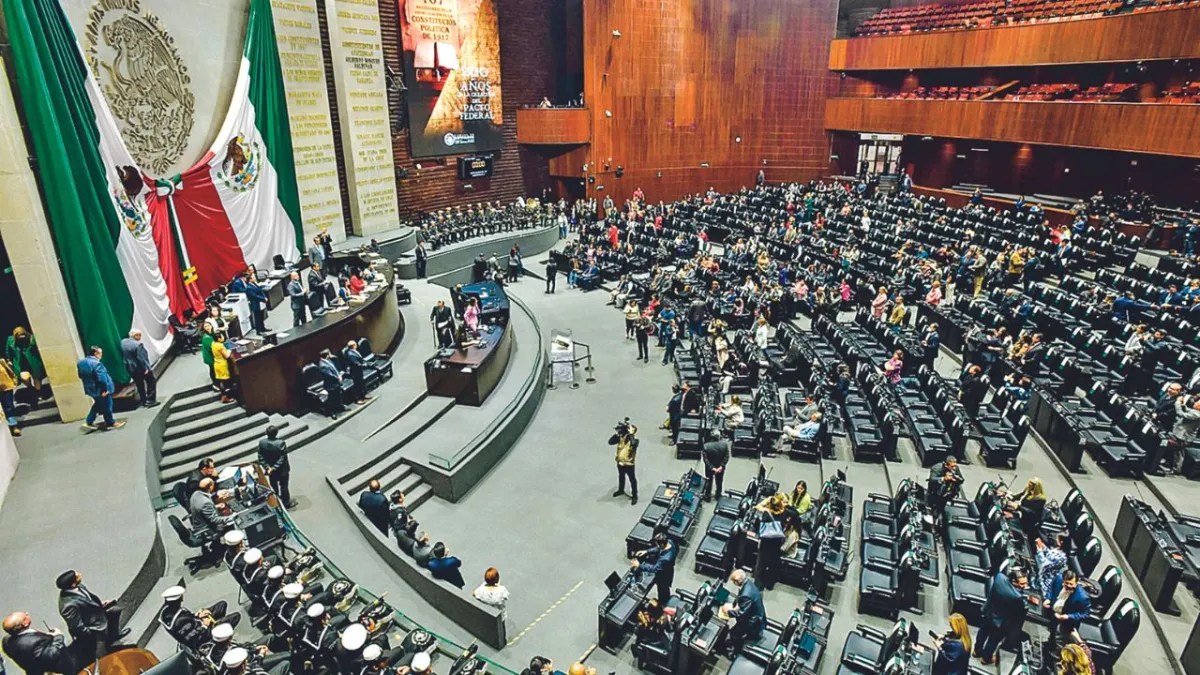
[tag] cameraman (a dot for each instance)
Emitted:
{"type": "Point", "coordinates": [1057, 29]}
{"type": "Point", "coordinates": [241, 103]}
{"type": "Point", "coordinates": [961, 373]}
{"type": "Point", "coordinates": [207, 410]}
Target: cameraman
{"type": "Point", "coordinates": [627, 444]}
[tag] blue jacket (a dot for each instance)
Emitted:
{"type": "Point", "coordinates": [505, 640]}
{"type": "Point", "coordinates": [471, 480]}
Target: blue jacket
{"type": "Point", "coordinates": [375, 506]}
{"type": "Point", "coordinates": [1078, 604]}
{"type": "Point", "coordinates": [447, 568]}
{"type": "Point", "coordinates": [660, 565]}
{"type": "Point", "coordinates": [1005, 602]}
{"type": "Point", "coordinates": [952, 658]}
{"type": "Point", "coordinates": [95, 377]}
{"type": "Point", "coordinates": [331, 377]}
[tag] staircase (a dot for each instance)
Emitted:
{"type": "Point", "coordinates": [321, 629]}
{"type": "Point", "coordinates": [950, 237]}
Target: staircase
{"type": "Point", "coordinates": [888, 183]}
{"type": "Point", "coordinates": [400, 476]}
{"type": "Point", "coordinates": [197, 425]}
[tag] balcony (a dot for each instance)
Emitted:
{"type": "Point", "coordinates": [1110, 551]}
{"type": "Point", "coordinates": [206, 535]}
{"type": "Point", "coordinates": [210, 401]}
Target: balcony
{"type": "Point", "coordinates": [1158, 128]}
{"type": "Point", "coordinates": [554, 126]}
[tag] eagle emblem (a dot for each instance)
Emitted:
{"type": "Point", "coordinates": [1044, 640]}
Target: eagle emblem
{"type": "Point", "coordinates": [239, 170]}
{"type": "Point", "coordinates": [131, 207]}
{"type": "Point", "coordinates": [144, 80]}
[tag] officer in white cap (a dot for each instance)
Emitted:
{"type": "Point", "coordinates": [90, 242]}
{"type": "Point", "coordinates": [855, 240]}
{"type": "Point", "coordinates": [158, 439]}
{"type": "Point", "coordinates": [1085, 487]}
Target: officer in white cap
{"type": "Point", "coordinates": [290, 610]}
{"type": "Point", "coordinates": [192, 629]}
{"type": "Point", "coordinates": [223, 644]}
{"type": "Point", "coordinates": [320, 637]}
{"type": "Point", "coordinates": [235, 547]}
{"type": "Point", "coordinates": [253, 577]}
{"type": "Point", "coordinates": [421, 664]}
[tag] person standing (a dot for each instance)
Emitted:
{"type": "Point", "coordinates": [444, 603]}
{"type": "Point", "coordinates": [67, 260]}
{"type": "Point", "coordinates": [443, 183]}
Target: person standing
{"type": "Point", "coordinates": [674, 412]}
{"type": "Point", "coordinates": [953, 649]}
{"type": "Point", "coordinates": [91, 622]}
{"type": "Point", "coordinates": [658, 564]}
{"type": "Point", "coordinates": [273, 456]}
{"type": "Point", "coordinates": [669, 341]}
{"type": "Point", "coordinates": [331, 379]}
{"type": "Point", "coordinates": [1003, 614]}
{"type": "Point", "coordinates": [627, 445]}
{"type": "Point", "coordinates": [137, 362]}
{"type": "Point", "coordinates": [257, 298]}
{"type": "Point", "coordinates": [8, 388]}
{"type": "Point", "coordinates": [747, 611]}
{"type": "Point", "coordinates": [38, 653]}
{"type": "Point", "coordinates": [298, 300]}
{"type": "Point", "coordinates": [357, 365]}
{"type": "Point", "coordinates": [632, 312]}
{"type": "Point", "coordinates": [972, 390]}
{"type": "Point", "coordinates": [422, 259]}
{"type": "Point", "coordinates": [642, 333]}
{"type": "Point", "coordinates": [443, 324]}
{"type": "Point", "coordinates": [99, 386]}
{"type": "Point", "coordinates": [207, 336]}
{"type": "Point", "coordinates": [716, 456]}
{"type": "Point", "coordinates": [21, 351]}
{"type": "Point", "coordinates": [1069, 604]}
{"type": "Point", "coordinates": [316, 252]}
{"type": "Point", "coordinates": [221, 356]}
{"type": "Point", "coordinates": [551, 274]}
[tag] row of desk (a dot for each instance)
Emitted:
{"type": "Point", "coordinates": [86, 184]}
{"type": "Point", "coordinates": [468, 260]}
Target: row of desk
{"type": "Point", "coordinates": [1161, 552]}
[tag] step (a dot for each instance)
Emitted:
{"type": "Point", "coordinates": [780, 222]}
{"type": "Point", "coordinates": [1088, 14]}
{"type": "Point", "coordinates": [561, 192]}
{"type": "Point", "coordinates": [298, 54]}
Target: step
{"type": "Point", "coordinates": [197, 412]}
{"type": "Point", "coordinates": [193, 398]}
{"type": "Point", "coordinates": [40, 415]}
{"type": "Point", "coordinates": [233, 455]}
{"type": "Point", "coordinates": [185, 452]}
{"type": "Point", "coordinates": [418, 496]}
{"type": "Point", "coordinates": [199, 432]}
{"type": "Point", "coordinates": [179, 429]}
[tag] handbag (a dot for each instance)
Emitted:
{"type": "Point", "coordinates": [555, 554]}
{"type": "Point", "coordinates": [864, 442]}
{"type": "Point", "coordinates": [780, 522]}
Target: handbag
{"type": "Point", "coordinates": [770, 529]}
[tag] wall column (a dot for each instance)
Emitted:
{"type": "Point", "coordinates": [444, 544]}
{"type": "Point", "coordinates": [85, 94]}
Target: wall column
{"type": "Point", "coordinates": [35, 264]}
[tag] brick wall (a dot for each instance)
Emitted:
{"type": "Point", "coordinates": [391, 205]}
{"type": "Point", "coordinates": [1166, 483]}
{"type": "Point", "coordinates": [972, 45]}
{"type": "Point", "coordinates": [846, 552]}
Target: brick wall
{"type": "Point", "coordinates": [528, 66]}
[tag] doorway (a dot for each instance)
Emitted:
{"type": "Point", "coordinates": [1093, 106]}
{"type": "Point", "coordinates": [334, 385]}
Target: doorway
{"type": "Point", "coordinates": [879, 154]}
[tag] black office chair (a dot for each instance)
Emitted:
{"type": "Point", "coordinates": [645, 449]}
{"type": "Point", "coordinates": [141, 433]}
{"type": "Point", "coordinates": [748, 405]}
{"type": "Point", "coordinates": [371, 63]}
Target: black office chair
{"type": "Point", "coordinates": [382, 366]}
{"type": "Point", "coordinates": [1109, 638]}
{"type": "Point", "coordinates": [1108, 588]}
{"type": "Point", "coordinates": [179, 492]}
{"type": "Point", "coordinates": [1085, 561]}
{"type": "Point", "coordinates": [279, 262]}
{"type": "Point", "coordinates": [313, 388]}
{"type": "Point", "coordinates": [187, 337]}
{"type": "Point", "coordinates": [191, 540]}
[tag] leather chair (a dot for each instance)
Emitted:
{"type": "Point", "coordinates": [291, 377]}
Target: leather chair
{"type": "Point", "coordinates": [1108, 588]}
{"type": "Point", "coordinates": [867, 649]}
{"type": "Point", "coordinates": [191, 539]}
{"type": "Point", "coordinates": [1085, 560]}
{"type": "Point", "coordinates": [381, 366]}
{"type": "Point", "coordinates": [1109, 638]}
{"type": "Point", "coordinates": [313, 388]}
{"type": "Point", "coordinates": [663, 657]}
{"type": "Point", "coordinates": [179, 492]}
{"type": "Point", "coordinates": [885, 589]}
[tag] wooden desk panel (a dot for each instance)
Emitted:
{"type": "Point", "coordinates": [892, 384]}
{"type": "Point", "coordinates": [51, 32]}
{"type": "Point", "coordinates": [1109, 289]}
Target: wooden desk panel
{"type": "Point", "coordinates": [1158, 34]}
{"type": "Point", "coordinates": [553, 126]}
{"type": "Point", "coordinates": [1167, 129]}
{"type": "Point", "coordinates": [270, 378]}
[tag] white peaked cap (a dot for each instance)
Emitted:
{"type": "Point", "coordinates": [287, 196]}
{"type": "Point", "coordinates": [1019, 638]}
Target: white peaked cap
{"type": "Point", "coordinates": [222, 632]}
{"type": "Point", "coordinates": [293, 590]}
{"type": "Point", "coordinates": [354, 637]}
{"type": "Point", "coordinates": [235, 657]}
{"type": "Point", "coordinates": [420, 662]}
{"type": "Point", "coordinates": [276, 572]}
{"type": "Point", "coordinates": [173, 593]}
{"type": "Point", "coordinates": [252, 556]}
{"type": "Point", "coordinates": [372, 653]}
{"type": "Point", "coordinates": [316, 610]}
{"type": "Point", "coordinates": [233, 537]}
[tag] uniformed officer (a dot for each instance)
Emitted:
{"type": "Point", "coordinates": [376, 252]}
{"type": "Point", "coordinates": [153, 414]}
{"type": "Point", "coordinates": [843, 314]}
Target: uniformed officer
{"type": "Point", "coordinates": [192, 629]}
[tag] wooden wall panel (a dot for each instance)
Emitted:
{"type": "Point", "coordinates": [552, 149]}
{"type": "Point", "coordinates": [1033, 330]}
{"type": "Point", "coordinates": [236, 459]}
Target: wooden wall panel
{"type": "Point", "coordinates": [1134, 127]}
{"type": "Point", "coordinates": [688, 77]}
{"type": "Point", "coordinates": [1159, 34]}
{"type": "Point", "coordinates": [553, 126]}
{"type": "Point", "coordinates": [570, 163]}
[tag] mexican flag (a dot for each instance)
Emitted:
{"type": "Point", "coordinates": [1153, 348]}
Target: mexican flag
{"type": "Point", "coordinates": [135, 249]}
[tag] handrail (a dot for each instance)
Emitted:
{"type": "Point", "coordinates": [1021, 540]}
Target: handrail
{"type": "Point", "coordinates": [448, 647]}
{"type": "Point", "coordinates": [448, 463]}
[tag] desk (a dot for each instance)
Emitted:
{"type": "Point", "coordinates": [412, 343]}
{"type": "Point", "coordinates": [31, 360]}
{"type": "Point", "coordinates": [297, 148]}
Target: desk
{"type": "Point", "coordinates": [617, 611]}
{"type": "Point", "coordinates": [470, 376]}
{"type": "Point", "coordinates": [270, 374]}
{"type": "Point", "coordinates": [494, 306]}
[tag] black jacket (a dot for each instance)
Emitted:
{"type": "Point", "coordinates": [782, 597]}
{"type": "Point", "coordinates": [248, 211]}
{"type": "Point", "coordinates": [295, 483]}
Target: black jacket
{"type": "Point", "coordinates": [375, 507]}
{"type": "Point", "coordinates": [83, 611]}
{"type": "Point", "coordinates": [37, 653]}
{"type": "Point", "coordinates": [273, 454]}
{"type": "Point", "coordinates": [181, 624]}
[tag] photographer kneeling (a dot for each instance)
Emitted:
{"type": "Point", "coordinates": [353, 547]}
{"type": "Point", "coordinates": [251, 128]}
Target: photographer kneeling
{"type": "Point", "coordinates": [626, 441]}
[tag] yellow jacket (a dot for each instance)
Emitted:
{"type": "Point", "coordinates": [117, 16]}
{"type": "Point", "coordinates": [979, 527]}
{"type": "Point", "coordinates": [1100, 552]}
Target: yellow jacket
{"type": "Point", "coordinates": [8, 379]}
{"type": "Point", "coordinates": [897, 315]}
{"type": "Point", "coordinates": [626, 451]}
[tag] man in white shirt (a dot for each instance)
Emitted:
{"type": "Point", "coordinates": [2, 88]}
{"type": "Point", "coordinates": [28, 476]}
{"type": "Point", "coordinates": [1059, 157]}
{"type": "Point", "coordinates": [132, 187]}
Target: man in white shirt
{"type": "Point", "coordinates": [806, 431]}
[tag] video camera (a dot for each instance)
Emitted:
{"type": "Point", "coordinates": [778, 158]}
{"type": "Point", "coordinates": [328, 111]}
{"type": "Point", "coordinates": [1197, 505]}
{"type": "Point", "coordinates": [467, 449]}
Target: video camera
{"type": "Point", "coordinates": [624, 427]}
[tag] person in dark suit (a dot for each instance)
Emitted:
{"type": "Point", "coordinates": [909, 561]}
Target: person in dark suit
{"type": "Point", "coordinates": [92, 623]}
{"type": "Point", "coordinates": [422, 259]}
{"type": "Point", "coordinates": [206, 468]}
{"type": "Point", "coordinates": [97, 384]}
{"type": "Point", "coordinates": [1068, 603]}
{"type": "Point", "coordinates": [374, 505]}
{"type": "Point", "coordinates": [551, 275]}
{"type": "Point", "coordinates": [716, 455]}
{"type": "Point", "coordinates": [972, 389]}
{"type": "Point", "coordinates": [256, 296]}
{"type": "Point", "coordinates": [298, 300]}
{"type": "Point", "coordinates": [1003, 613]}
{"type": "Point", "coordinates": [674, 414]}
{"type": "Point", "coordinates": [37, 652]}
{"type": "Point", "coordinates": [748, 612]}
{"type": "Point", "coordinates": [442, 319]}
{"type": "Point", "coordinates": [446, 567]}
{"type": "Point", "coordinates": [137, 362]}
{"type": "Point", "coordinates": [357, 364]}
{"type": "Point", "coordinates": [273, 456]}
{"type": "Point", "coordinates": [202, 506]}
{"type": "Point", "coordinates": [658, 564]}
{"type": "Point", "coordinates": [331, 379]}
